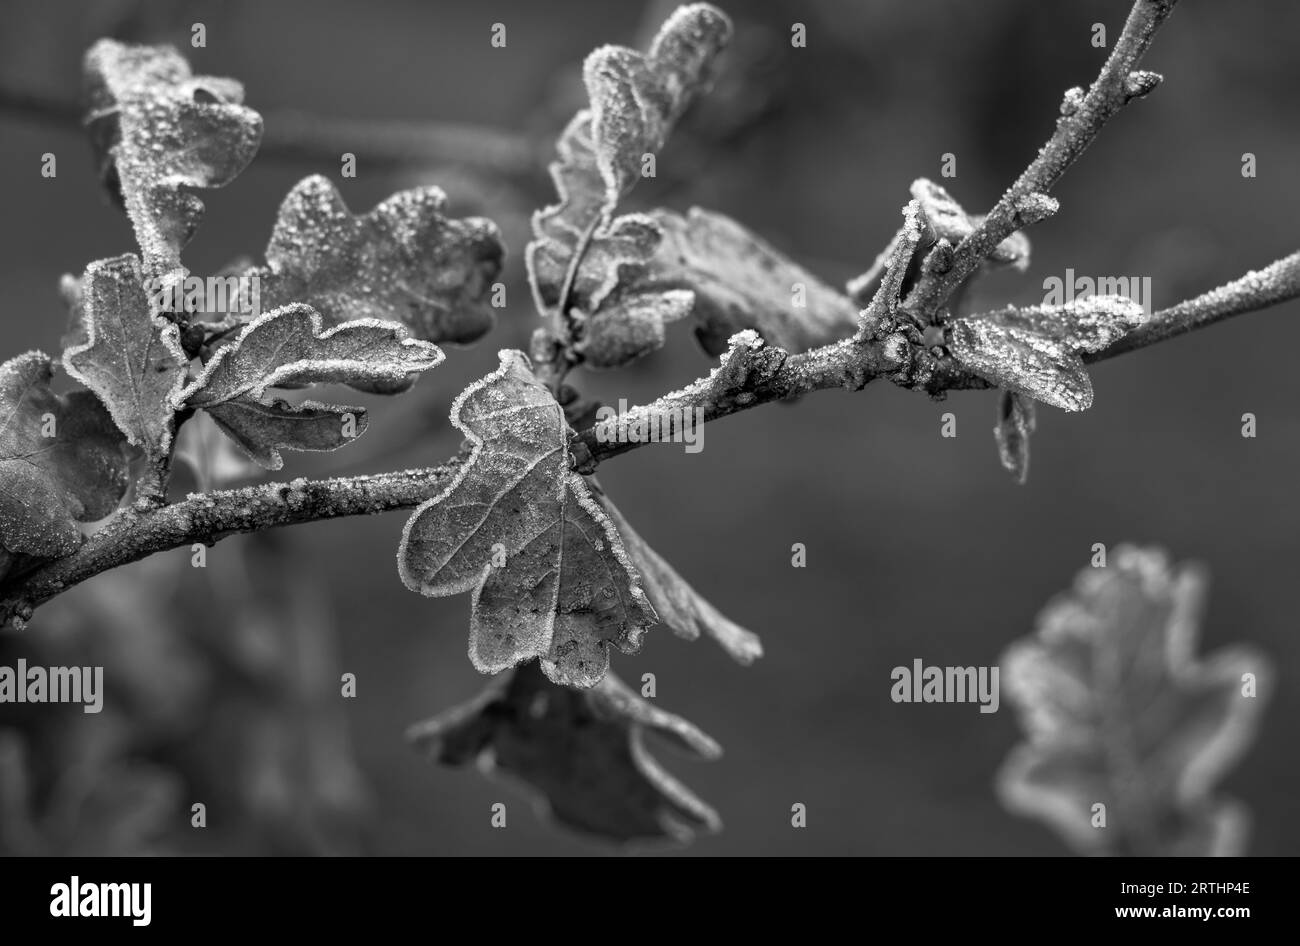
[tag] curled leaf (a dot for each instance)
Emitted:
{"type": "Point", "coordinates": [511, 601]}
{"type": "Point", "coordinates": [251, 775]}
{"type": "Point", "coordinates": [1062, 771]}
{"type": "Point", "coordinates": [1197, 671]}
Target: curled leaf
{"type": "Point", "coordinates": [1119, 711]}
{"type": "Point", "coordinates": [62, 460]}
{"type": "Point", "coordinates": [290, 346]}
{"type": "Point", "coordinates": [404, 261]}
{"type": "Point", "coordinates": [1036, 350]}
{"type": "Point", "coordinates": [679, 605]}
{"type": "Point", "coordinates": [1016, 422]}
{"type": "Point", "coordinates": [581, 754]}
{"type": "Point", "coordinates": [129, 357]}
{"type": "Point", "coordinates": [580, 259]}
{"type": "Point", "coordinates": [519, 528]}
{"type": "Point", "coordinates": [262, 429]}
{"type": "Point", "coordinates": [159, 129]}
{"type": "Point", "coordinates": [636, 98]}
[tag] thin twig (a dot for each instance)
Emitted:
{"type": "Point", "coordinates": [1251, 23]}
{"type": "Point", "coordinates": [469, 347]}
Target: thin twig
{"type": "Point", "coordinates": [1256, 290]}
{"type": "Point", "coordinates": [304, 137]}
{"type": "Point", "coordinates": [1117, 84]}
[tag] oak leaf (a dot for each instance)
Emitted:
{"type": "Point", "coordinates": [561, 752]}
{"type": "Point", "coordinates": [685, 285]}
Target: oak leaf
{"type": "Point", "coordinates": [62, 460]}
{"type": "Point", "coordinates": [519, 528]}
{"type": "Point", "coordinates": [1121, 712]}
{"type": "Point", "coordinates": [582, 754]}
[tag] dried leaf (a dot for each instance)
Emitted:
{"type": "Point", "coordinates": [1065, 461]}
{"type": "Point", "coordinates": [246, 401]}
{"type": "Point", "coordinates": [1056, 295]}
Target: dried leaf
{"type": "Point", "coordinates": [518, 527]}
{"type": "Point", "coordinates": [581, 754]}
{"type": "Point", "coordinates": [404, 261]}
{"type": "Point", "coordinates": [159, 129]}
{"type": "Point", "coordinates": [679, 605]}
{"type": "Point", "coordinates": [50, 483]}
{"type": "Point", "coordinates": [263, 429]}
{"type": "Point", "coordinates": [1120, 711]}
{"type": "Point", "coordinates": [631, 326]}
{"type": "Point", "coordinates": [1016, 421]}
{"type": "Point", "coordinates": [636, 98]}
{"type": "Point", "coordinates": [740, 282]}
{"type": "Point", "coordinates": [1035, 350]}
{"type": "Point", "coordinates": [291, 346]}
{"type": "Point", "coordinates": [130, 358]}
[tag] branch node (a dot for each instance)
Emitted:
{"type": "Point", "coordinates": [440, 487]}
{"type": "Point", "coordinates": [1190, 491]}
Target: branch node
{"type": "Point", "coordinates": [1140, 83]}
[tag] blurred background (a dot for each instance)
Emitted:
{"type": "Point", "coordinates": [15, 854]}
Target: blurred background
{"type": "Point", "coordinates": [223, 682]}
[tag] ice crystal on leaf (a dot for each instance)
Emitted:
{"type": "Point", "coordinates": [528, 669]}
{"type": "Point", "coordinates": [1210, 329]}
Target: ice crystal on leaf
{"type": "Point", "coordinates": [157, 130]}
{"type": "Point", "coordinates": [404, 261]}
{"type": "Point", "coordinates": [519, 528]}
{"type": "Point", "coordinates": [130, 357]}
{"type": "Point", "coordinates": [1035, 350]}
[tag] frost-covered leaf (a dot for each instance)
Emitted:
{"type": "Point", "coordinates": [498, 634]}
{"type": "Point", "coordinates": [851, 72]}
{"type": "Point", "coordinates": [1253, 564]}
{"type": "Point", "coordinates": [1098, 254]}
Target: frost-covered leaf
{"type": "Point", "coordinates": [158, 129]}
{"type": "Point", "coordinates": [129, 357]}
{"type": "Point", "coordinates": [740, 282]}
{"type": "Point", "coordinates": [636, 98]}
{"type": "Point", "coordinates": [1016, 420]}
{"type": "Point", "coordinates": [580, 753]}
{"type": "Point", "coordinates": [62, 460]}
{"type": "Point", "coordinates": [619, 317]}
{"type": "Point", "coordinates": [630, 326]}
{"type": "Point", "coordinates": [899, 263]}
{"type": "Point", "coordinates": [521, 530]}
{"type": "Point", "coordinates": [262, 429]}
{"type": "Point", "coordinates": [404, 261]}
{"type": "Point", "coordinates": [290, 345]}
{"type": "Point", "coordinates": [679, 605]}
{"type": "Point", "coordinates": [1120, 711]}
{"type": "Point", "coordinates": [1035, 350]}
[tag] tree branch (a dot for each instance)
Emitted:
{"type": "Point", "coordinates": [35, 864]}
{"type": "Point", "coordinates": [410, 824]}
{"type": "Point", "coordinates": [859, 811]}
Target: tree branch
{"type": "Point", "coordinates": [889, 344]}
{"type": "Point", "coordinates": [1258, 289]}
{"type": "Point", "coordinates": [302, 136]}
{"type": "Point", "coordinates": [1082, 118]}
{"type": "Point", "coordinates": [134, 534]}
